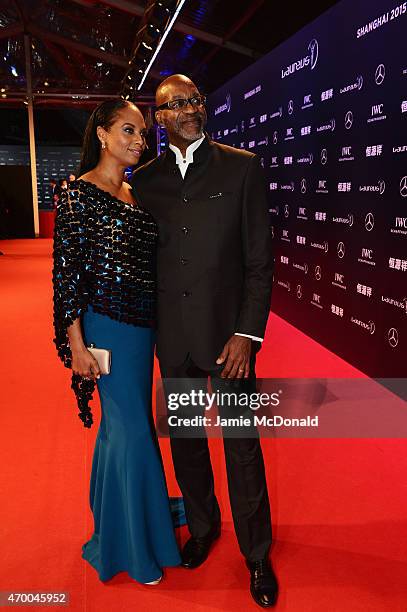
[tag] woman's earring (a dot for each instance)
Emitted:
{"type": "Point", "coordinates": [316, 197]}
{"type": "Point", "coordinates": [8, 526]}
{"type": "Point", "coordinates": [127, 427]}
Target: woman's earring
{"type": "Point", "coordinates": [103, 145]}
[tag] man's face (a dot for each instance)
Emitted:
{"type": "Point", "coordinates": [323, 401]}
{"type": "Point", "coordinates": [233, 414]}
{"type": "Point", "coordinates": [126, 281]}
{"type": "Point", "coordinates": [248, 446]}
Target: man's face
{"type": "Point", "coordinates": [185, 124]}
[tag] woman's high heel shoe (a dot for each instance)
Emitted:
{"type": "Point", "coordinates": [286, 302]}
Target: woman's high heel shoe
{"type": "Point", "coordinates": [154, 582]}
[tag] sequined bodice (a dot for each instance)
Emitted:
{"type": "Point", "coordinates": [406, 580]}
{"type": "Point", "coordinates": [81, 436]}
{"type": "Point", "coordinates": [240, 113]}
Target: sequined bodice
{"type": "Point", "coordinates": [104, 255]}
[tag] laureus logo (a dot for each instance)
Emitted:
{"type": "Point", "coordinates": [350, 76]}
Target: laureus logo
{"type": "Point", "coordinates": [324, 157]}
{"type": "Point", "coordinates": [310, 60]}
{"type": "Point", "coordinates": [225, 107]}
{"type": "Point", "coordinates": [228, 102]}
{"type": "Point", "coordinates": [403, 187]}
{"type": "Point", "coordinates": [290, 107]}
{"type": "Point", "coordinates": [318, 272]}
{"type": "Point", "coordinates": [303, 185]}
{"type": "Point", "coordinates": [313, 50]}
{"type": "Point", "coordinates": [275, 137]}
{"type": "Point", "coordinates": [286, 211]}
{"type": "Point", "coordinates": [299, 292]}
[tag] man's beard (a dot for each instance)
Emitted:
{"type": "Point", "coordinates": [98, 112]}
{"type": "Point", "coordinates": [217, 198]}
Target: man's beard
{"type": "Point", "coordinates": [188, 134]}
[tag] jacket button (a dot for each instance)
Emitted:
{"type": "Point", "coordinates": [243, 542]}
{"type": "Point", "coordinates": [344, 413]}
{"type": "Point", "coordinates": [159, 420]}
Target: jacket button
{"type": "Point", "coordinates": [185, 199]}
{"type": "Point", "coordinates": [186, 294]}
{"type": "Point", "coordinates": [184, 261]}
{"type": "Point", "coordinates": [184, 230]}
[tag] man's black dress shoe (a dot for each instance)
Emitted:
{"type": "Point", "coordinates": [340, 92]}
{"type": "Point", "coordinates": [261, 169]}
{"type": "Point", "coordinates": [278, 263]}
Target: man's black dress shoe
{"type": "Point", "coordinates": [196, 550]}
{"type": "Point", "coordinates": [263, 583]}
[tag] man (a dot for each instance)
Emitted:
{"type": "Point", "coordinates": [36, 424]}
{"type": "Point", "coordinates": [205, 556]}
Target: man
{"type": "Point", "coordinates": [55, 191]}
{"type": "Point", "coordinates": [214, 289]}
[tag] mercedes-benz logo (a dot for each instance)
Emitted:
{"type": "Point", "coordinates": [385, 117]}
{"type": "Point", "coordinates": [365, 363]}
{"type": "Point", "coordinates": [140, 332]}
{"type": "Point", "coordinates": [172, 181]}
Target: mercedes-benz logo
{"type": "Point", "coordinates": [382, 187]}
{"type": "Point", "coordinates": [280, 111]}
{"type": "Point", "coordinates": [360, 82]}
{"type": "Point", "coordinates": [341, 250]}
{"type": "Point", "coordinates": [372, 327]}
{"type": "Point", "coordinates": [333, 124]}
{"type": "Point", "coordinates": [403, 187]}
{"type": "Point", "coordinates": [348, 120]}
{"type": "Point", "coordinates": [286, 210]}
{"type": "Point", "coordinates": [290, 107]}
{"type": "Point", "coordinates": [318, 273]}
{"type": "Point", "coordinates": [305, 268]}
{"type": "Point", "coordinates": [275, 137]}
{"type": "Point", "coordinates": [393, 337]}
{"type": "Point", "coordinates": [380, 74]}
{"type": "Point", "coordinates": [313, 50]}
{"type": "Point", "coordinates": [272, 230]}
{"type": "Point", "coordinates": [369, 221]}
{"type": "Point", "coordinates": [299, 292]}
{"type": "Point", "coordinates": [311, 158]}
{"type": "Point", "coordinates": [303, 185]}
{"type": "Point", "coordinates": [326, 246]}
{"type": "Point", "coordinates": [324, 156]}
{"type": "Point", "coordinates": [351, 219]}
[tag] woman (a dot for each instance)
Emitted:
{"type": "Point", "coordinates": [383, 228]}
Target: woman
{"type": "Point", "coordinates": [104, 294]}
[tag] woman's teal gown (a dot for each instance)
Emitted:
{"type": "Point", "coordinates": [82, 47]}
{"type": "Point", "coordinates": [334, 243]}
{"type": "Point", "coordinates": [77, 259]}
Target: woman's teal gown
{"type": "Point", "coordinates": [133, 527]}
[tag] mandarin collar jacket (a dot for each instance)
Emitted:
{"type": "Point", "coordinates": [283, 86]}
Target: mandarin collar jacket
{"type": "Point", "coordinates": [215, 264]}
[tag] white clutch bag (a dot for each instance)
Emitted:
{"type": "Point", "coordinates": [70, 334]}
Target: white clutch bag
{"type": "Point", "coordinates": [103, 357]}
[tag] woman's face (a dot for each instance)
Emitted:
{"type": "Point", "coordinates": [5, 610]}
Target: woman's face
{"type": "Point", "coordinates": [126, 138]}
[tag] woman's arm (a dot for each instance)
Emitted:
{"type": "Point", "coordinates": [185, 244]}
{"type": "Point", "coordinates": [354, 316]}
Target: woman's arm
{"type": "Point", "coordinates": [70, 286]}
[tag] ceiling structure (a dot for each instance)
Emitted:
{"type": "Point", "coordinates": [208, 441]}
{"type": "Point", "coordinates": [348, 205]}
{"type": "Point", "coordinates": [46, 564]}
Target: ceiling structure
{"type": "Point", "coordinates": [80, 49]}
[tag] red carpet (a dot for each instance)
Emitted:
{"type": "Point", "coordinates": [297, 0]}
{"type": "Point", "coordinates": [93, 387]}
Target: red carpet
{"type": "Point", "coordinates": [339, 506]}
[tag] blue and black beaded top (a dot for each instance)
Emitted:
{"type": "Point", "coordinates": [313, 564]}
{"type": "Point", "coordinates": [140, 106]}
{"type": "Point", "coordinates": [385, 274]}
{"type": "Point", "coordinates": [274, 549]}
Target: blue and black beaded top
{"type": "Point", "coordinates": [104, 256]}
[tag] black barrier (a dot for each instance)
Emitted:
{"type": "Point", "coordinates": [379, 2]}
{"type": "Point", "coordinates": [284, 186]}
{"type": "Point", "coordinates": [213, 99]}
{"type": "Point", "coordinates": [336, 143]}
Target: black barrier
{"type": "Point", "coordinates": [327, 113]}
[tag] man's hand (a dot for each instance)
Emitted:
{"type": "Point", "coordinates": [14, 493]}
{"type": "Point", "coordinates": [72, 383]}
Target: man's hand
{"type": "Point", "coordinates": [236, 353]}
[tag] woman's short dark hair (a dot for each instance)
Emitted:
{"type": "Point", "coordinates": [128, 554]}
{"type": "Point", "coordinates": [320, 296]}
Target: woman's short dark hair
{"type": "Point", "coordinates": [103, 115]}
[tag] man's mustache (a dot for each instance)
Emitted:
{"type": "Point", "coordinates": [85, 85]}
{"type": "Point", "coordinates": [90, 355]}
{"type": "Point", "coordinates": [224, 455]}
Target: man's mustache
{"type": "Point", "coordinates": [198, 117]}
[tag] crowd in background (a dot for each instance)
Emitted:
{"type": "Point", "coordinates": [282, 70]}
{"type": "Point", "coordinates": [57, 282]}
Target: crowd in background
{"type": "Point", "coordinates": [58, 186]}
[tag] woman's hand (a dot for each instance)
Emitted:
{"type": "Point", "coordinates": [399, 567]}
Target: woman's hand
{"type": "Point", "coordinates": [84, 364]}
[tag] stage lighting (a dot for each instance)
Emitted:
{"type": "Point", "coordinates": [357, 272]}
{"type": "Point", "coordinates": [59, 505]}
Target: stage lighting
{"type": "Point", "coordinates": [150, 34]}
{"type": "Point", "coordinates": [157, 14]}
{"type": "Point", "coordinates": [143, 51]}
{"type": "Point", "coordinates": [170, 5]}
{"type": "Point", "coordinates": [177, 6]}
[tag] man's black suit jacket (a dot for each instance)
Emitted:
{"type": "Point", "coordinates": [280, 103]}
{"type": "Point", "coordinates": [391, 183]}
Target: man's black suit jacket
{"type": "Point", "coordinates": [215, 263]}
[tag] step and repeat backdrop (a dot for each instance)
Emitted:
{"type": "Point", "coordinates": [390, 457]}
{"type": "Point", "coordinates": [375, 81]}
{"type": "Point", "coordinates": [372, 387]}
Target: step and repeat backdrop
{"type": "Point", "coordinates": [52, 162]}
{"type": "Point", "coordinates": [327, 113]}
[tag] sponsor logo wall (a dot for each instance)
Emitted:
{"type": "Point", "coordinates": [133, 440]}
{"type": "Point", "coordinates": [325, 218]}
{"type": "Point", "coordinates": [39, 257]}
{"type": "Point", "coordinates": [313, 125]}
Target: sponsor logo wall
{"type": "Point", "coordinates": [327, 114]}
